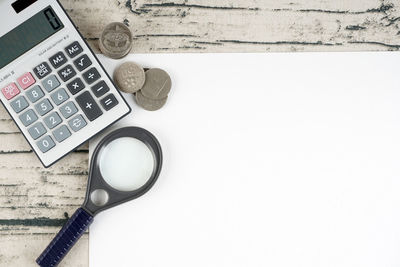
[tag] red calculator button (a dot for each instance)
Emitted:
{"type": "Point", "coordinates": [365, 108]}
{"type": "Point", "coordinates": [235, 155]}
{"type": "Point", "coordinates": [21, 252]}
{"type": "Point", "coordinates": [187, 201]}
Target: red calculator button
{"type": "Point", "coordinates": [26, 80]}
{"type": "Point", "coordinates": [10, 91]}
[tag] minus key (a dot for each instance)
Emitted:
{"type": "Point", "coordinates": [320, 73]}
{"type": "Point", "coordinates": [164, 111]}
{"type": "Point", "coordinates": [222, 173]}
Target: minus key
{"type": "Point", "coordinates": [100, 89]}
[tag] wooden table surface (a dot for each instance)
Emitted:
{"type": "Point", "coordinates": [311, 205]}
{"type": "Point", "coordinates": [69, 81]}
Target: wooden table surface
{"type": "Point", "coordinates": [34, 202]}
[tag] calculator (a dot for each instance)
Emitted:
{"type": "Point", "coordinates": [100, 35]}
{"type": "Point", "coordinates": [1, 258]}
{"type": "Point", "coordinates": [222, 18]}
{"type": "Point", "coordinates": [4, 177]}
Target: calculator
{"type": "Point", "coordinates": [51, 83]}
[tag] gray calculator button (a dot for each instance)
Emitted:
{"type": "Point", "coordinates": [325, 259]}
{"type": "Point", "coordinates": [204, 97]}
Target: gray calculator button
{"type": "Point", "coordinates": [73, 49]}
{"type": "Point", "coordinates": [45, 144]}
{"type": "Point", "coordinates": [28, 117]}
{"type": "Point", "coordinates": [52, 120]}
{"type": "Point", "coordinates": [43, 107]}
{"type": "Point", "coordinates": [61, 133]}
{"type": "Point", "coordinates": [67, 73]}
{"type": "Point", "coordinates": [91, 75]}
{"type": "Point", "coordinates": [51, 83]}
{"type": "Point", "coordinates": [35, 93]}
{"type": "Point", "coordinates": [77, 123]}
{"type": "Point", "coordinates": [37, 130]}
{"type": "Point", "coordinates": [82, 63]}
{"type": "Point", "coordinates": [19, 104]}
{"type": "Point", "coordinates": [42, 70]}
{"type": "Point", "coordinates": [59, 96]}
{"type": "Point", "coordinates": [68, 110]}
{"type": "Point", "coordinates": [58, 60]}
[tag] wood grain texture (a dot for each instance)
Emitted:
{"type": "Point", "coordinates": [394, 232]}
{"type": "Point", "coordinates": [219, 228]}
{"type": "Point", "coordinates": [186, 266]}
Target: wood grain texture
{"type": "Point", "coordinates": [35, 202]}
{"type": "Point", "coordinates": [245, 26]}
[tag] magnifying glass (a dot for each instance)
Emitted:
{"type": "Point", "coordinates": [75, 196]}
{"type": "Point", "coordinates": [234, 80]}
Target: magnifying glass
{"type": "Point", "coordinates": [125, 165]}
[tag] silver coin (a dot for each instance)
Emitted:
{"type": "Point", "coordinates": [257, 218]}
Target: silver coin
{"type": "Point", "coordinates": [148, 103]}
{"type": "Point", "coordinates": [116, 40]}
{"type": "Point", "coordinates": [129, 77]}
{"type": "Point", "coordinates": [158, 84]}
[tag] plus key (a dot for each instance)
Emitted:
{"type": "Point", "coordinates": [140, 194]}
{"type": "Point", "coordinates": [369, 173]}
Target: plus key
{"type": "Point", "coordinates": [89, 106]}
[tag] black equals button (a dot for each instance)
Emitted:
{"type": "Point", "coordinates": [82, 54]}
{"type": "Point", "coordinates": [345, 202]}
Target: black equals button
{"type": "Point", "coordinates": [109, 102]}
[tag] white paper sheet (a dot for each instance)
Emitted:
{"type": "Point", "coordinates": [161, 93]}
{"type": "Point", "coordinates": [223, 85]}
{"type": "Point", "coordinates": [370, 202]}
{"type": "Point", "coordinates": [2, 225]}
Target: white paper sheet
{"type": "Point", "coordinates": [270, 160]}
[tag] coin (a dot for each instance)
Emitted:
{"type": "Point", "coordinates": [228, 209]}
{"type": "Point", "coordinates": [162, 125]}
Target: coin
{"type": "Point", "coordinates": [158, 84]}
{"type": "Point", "coordinates": [149, 104]}
{"type": "Point", "coordinates": [116, 40]}
{"type": "Point", "coordinates": [129, 77]}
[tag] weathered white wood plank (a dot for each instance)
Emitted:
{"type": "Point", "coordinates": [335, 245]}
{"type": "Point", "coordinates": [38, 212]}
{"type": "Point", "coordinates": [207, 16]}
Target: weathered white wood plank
{"type": "Point", "coordinates": [245, 26]}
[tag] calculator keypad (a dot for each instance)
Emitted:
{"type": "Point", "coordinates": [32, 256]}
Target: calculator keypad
{"type": "Point", "coordinates": [51, 105]}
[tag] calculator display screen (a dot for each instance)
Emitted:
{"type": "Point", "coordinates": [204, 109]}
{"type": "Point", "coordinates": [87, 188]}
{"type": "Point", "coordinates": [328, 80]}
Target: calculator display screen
{"type": "Point", "coordinates": [28, 34]}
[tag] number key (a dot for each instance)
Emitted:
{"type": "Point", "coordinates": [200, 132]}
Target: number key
{"type": "Point", "coordinates": [52, 120]}
{"type": "Point", "coordinates": [51, 83]}
{"type": "Point", "coordinates": [60, 96]}
{"type": "Point", "coordinates": [35, 94]}
{"type": "Point", "coordinates": [28, 117]}
{"type": "Point", "coordinates": [43, 107]}
{"type": "Point", "coordinates": [68, 110]}
{"type": "Point", "coordinates": [19, 104]}
{"type": "Point", "coordinates": [45, 144]}
{"type": "Point", "coordinates": [37, 130]}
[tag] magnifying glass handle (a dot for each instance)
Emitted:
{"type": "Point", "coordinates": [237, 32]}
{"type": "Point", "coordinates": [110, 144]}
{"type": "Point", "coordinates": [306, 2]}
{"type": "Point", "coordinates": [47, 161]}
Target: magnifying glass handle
{"type": "Point", "coordinates": [65, 239]}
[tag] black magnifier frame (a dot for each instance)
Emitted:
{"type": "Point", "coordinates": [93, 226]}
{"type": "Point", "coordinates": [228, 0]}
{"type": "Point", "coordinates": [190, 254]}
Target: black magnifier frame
{"type": "Point", "coordinates": [80, 221]}
{"type": "Point", "coordinates": [96, 180]}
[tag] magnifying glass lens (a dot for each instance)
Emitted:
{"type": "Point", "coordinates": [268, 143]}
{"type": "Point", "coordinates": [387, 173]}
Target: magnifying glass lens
{"type": "Point", "coordinates": [126, 164]}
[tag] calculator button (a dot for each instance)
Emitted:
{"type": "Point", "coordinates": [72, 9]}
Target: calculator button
{"type": "Point", "coordinates": [67, 73]}
{"type": "Point", "coordinates": [37, 130]}
{"type": "Point", "coordinates": [19, 104]}
{"type": "Point", "coordinates": [46, 144]}
{"type": "Point", "coordinates": [34, 94]}
{"type": "Point", "coordinates": [43, 107]}
{"type": "Point", "coordinates": [77, 123]}
{"type": "Point", "coordinates": [58, 60]}
{"type": "Point", "coordinates": [89, 106]}
{"type": "Point", "coordinates": [100, 89]}
{"type": "Point", "coordinates": [91, 76]}
{"type": "Point", "coordinates": [26, 80]}
{"type": "Point", "coordinates": [109, 102]}
{"type": "Point", "coordinates": [42, 70]}
{"type": "Point", "coordinates": [51, 83]}
{"type": "Point", "coordinates": [52, 120]}
{"type": "Point", "coordinates": [59, 96]}
{"type": "Point", "coordinates": [10, 91]}
{"type": "Point", "coordinates": [68, 110]}
{"type": "Point", "coordinates": [61, 133]}
{"type": "Point", "coordinates": [82, 63]}
{"type": "Point", "coordinates": [28, 117]}
{"type": "Point", "coordinates": [75, 86]}
{"type": "Point", "coordinates": [73, 49]}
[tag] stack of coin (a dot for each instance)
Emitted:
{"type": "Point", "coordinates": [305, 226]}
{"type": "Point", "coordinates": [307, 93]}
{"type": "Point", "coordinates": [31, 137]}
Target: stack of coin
{"type": "Point", "coordinates": [151, 88]}
{"type": "Point", "coordinates": [116, 40]}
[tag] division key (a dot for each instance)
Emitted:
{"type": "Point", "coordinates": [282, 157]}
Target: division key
{"type": "Point", "coordinates": [89, 106]}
